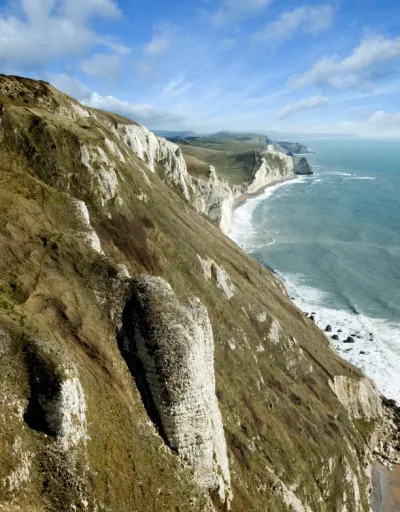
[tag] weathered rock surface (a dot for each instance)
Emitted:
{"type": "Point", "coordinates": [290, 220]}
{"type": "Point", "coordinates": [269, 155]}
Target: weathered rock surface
{"type": "Point", "coordinates": [360, 397]}
{"type": "Point", "coordinates": [387, 435]}
{"type": "Point", "coordinates": [213, 271]}
{"type": "Point", "coordinates": [271, 166]}
{"type": "Point", "coordinates": [215, 198]}
{"type": "Point", "coordinates": [175, 345]}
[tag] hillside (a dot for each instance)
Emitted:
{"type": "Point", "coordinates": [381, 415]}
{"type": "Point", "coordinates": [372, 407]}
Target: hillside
{"type": "Point", "coordinates": [148, 364]}
{"type": "Point", "coordinates": [234, 155]}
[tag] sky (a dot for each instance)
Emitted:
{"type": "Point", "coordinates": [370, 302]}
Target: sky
{"type": "Point", "coordinates": [207, 65]}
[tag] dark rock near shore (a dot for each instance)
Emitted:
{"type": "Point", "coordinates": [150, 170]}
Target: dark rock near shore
{"type": "Point", "coordinates": [349, 339]}
{"type": "Point", "coordinates": [335, 337]}
{"type": "Point", "coordinates": [301, 166]}
{"type": "Point", "coordinates": [328, 328]}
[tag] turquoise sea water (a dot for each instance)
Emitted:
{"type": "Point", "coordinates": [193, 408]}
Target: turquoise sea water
{"type": "Point", "coordinates": [334, 238]}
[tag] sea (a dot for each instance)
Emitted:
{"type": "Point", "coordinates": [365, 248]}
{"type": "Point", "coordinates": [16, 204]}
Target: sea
{"type": "Point", "coordinates": [333, 238]}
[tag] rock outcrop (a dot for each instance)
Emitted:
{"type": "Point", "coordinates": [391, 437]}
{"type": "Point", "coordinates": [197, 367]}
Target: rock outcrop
{"type": "Point", "coordinates": [174, 342]}
{"type": "Point", "coordinates": [360, 397]}
{"type": "Point", "coordinates": [213, 271]}
{"type": "Point", "coordinates": [301, 166]}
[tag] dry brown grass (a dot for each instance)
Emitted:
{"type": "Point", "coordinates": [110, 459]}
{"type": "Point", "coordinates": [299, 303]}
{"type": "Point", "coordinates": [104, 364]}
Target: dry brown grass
{"type": "Point", "coordinates": [59, 293]}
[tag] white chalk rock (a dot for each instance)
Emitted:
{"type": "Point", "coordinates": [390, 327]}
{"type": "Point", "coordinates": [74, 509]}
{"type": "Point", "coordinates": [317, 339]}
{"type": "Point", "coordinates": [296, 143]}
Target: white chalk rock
{"type": "Point", "coordinates": [175, 344]}
{"type": "Point", "coordinates": [85, 230]}
{"type": "Point", "coordinates": [271, 166]}
{"type": "Point", "coordinates": [359, 397]}
{"type": "Point", "coordinates": [222, 279]}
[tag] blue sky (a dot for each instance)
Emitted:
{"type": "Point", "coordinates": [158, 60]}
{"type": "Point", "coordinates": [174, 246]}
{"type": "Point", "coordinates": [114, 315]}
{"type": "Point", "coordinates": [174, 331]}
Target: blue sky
{"type": "Point", "coordinates": [205, 65]}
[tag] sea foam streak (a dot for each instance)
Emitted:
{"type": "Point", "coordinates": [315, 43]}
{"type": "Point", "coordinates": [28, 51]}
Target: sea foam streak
{"type": "Point", "coordinates": [374, 350]}
{"type": "Point", "coordinates": [244, 231]}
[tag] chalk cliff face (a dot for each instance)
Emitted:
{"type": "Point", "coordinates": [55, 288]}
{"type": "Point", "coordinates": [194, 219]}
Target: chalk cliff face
{"type": "Point", "coordinates": [271, 166]}
{"type": "Point", "coordinates": [215, 198]}
{"type": "Point", "coordinates": [119, 390]}
{"type": "Point", "coordinates": [360, 397]}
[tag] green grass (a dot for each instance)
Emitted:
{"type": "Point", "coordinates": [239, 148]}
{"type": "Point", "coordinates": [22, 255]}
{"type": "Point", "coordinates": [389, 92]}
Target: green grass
{"type": "Point", "coordinates": [235, 167]}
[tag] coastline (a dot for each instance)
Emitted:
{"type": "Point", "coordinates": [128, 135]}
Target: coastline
{"type": "Point", "coordinates": [385, 483]}
{"type": "Point", "coordinates": [241, 200]}
{"type": "Point", "coordinates": [385, 495]}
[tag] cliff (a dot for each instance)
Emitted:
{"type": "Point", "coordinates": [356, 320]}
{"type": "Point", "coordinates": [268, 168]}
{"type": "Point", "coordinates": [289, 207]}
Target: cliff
{"type": "Point", "coordinates": [293, 147]}
{"type": "Point", "coordinates": [271, 166]}
{"type": "Point", "coordinates": [147, 363]}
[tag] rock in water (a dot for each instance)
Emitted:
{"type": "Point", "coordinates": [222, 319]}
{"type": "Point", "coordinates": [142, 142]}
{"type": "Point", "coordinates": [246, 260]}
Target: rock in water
{"type": "Point", "coordinates": [301, 166]}
{"type": "Point", "coordinates": [349, 340]}
{"type": "Point", "coordinates": [175, 345]}
{"type": "Point", "coordinates": [328, 328]}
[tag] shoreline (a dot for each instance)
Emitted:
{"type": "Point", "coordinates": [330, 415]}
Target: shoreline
{"type": "Point", "coordinates": [385, 483]}
{"type": "Point", "coordinates": [385, 494]}
{"type": "Point", "coordinates": [243, 198]}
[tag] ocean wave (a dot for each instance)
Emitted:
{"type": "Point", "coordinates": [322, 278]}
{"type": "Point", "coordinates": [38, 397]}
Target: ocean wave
{"type": "Point", "coordinates": [375, 349]}
{"type": "Point", "coordinates": [244, 232]}
{"type": "Point", "coordinates": [363, 178]}
{"type": "Point", "coordinates": [337, 173]}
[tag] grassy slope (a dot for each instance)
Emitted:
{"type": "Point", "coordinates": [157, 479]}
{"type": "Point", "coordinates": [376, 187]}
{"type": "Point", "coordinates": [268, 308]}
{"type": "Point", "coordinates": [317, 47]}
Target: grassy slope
{"type": "Point", "coordinates": [234, 166]}
{"type": "Point", "coordinates": [58, 292]}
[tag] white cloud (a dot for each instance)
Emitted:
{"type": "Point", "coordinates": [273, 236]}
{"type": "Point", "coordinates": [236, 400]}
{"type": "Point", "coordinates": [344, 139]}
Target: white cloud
{"type": "Point", "coordinates": [46, 30]}
{"type": "Point", "coordinates": [176, 87]}
{"type": "Point", "coordinates": [83, 9]}
{"type": "Point", "coordinates": [374, 58]}
{"type": "Point", "coordinates": [143, 113]}
{"type": "Point", "coordinates": [379, 125]}
{"type": "Point", "coordinates": [385, 120]}
{"type": "Point", "coordinates": [306, 19]}
{"type": "Point", "coordinates": [70, 85]}
{"type": "Point", "coordinates": [161, 41]}
{"type": "Point", "coordinates": [300, 106]}
{"type": "Point", "coordinates": [102, 65]}
{"type": "Point", "coordinates": [234, 10]}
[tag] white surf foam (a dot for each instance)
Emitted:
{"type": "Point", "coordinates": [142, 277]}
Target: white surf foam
{"type": "Point", "coordinates": [336, 173]}
{"type": "Point", "coordinates": [244, 231]}
{"type": "Point", "coordinates": [375, 351]}
{"type": "Point", "coordinates": [362, 178]}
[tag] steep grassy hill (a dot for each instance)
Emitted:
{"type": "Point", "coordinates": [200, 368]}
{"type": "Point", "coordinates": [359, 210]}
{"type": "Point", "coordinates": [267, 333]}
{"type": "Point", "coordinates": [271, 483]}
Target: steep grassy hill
{"type": "Point", "coordinates": [82, 215]}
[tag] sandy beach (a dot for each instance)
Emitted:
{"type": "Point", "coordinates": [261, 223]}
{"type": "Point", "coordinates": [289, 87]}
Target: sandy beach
{"type": "Point", "coordinates": [385, 496]}
{"type": "Point", "coordinates": [244, 197]}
